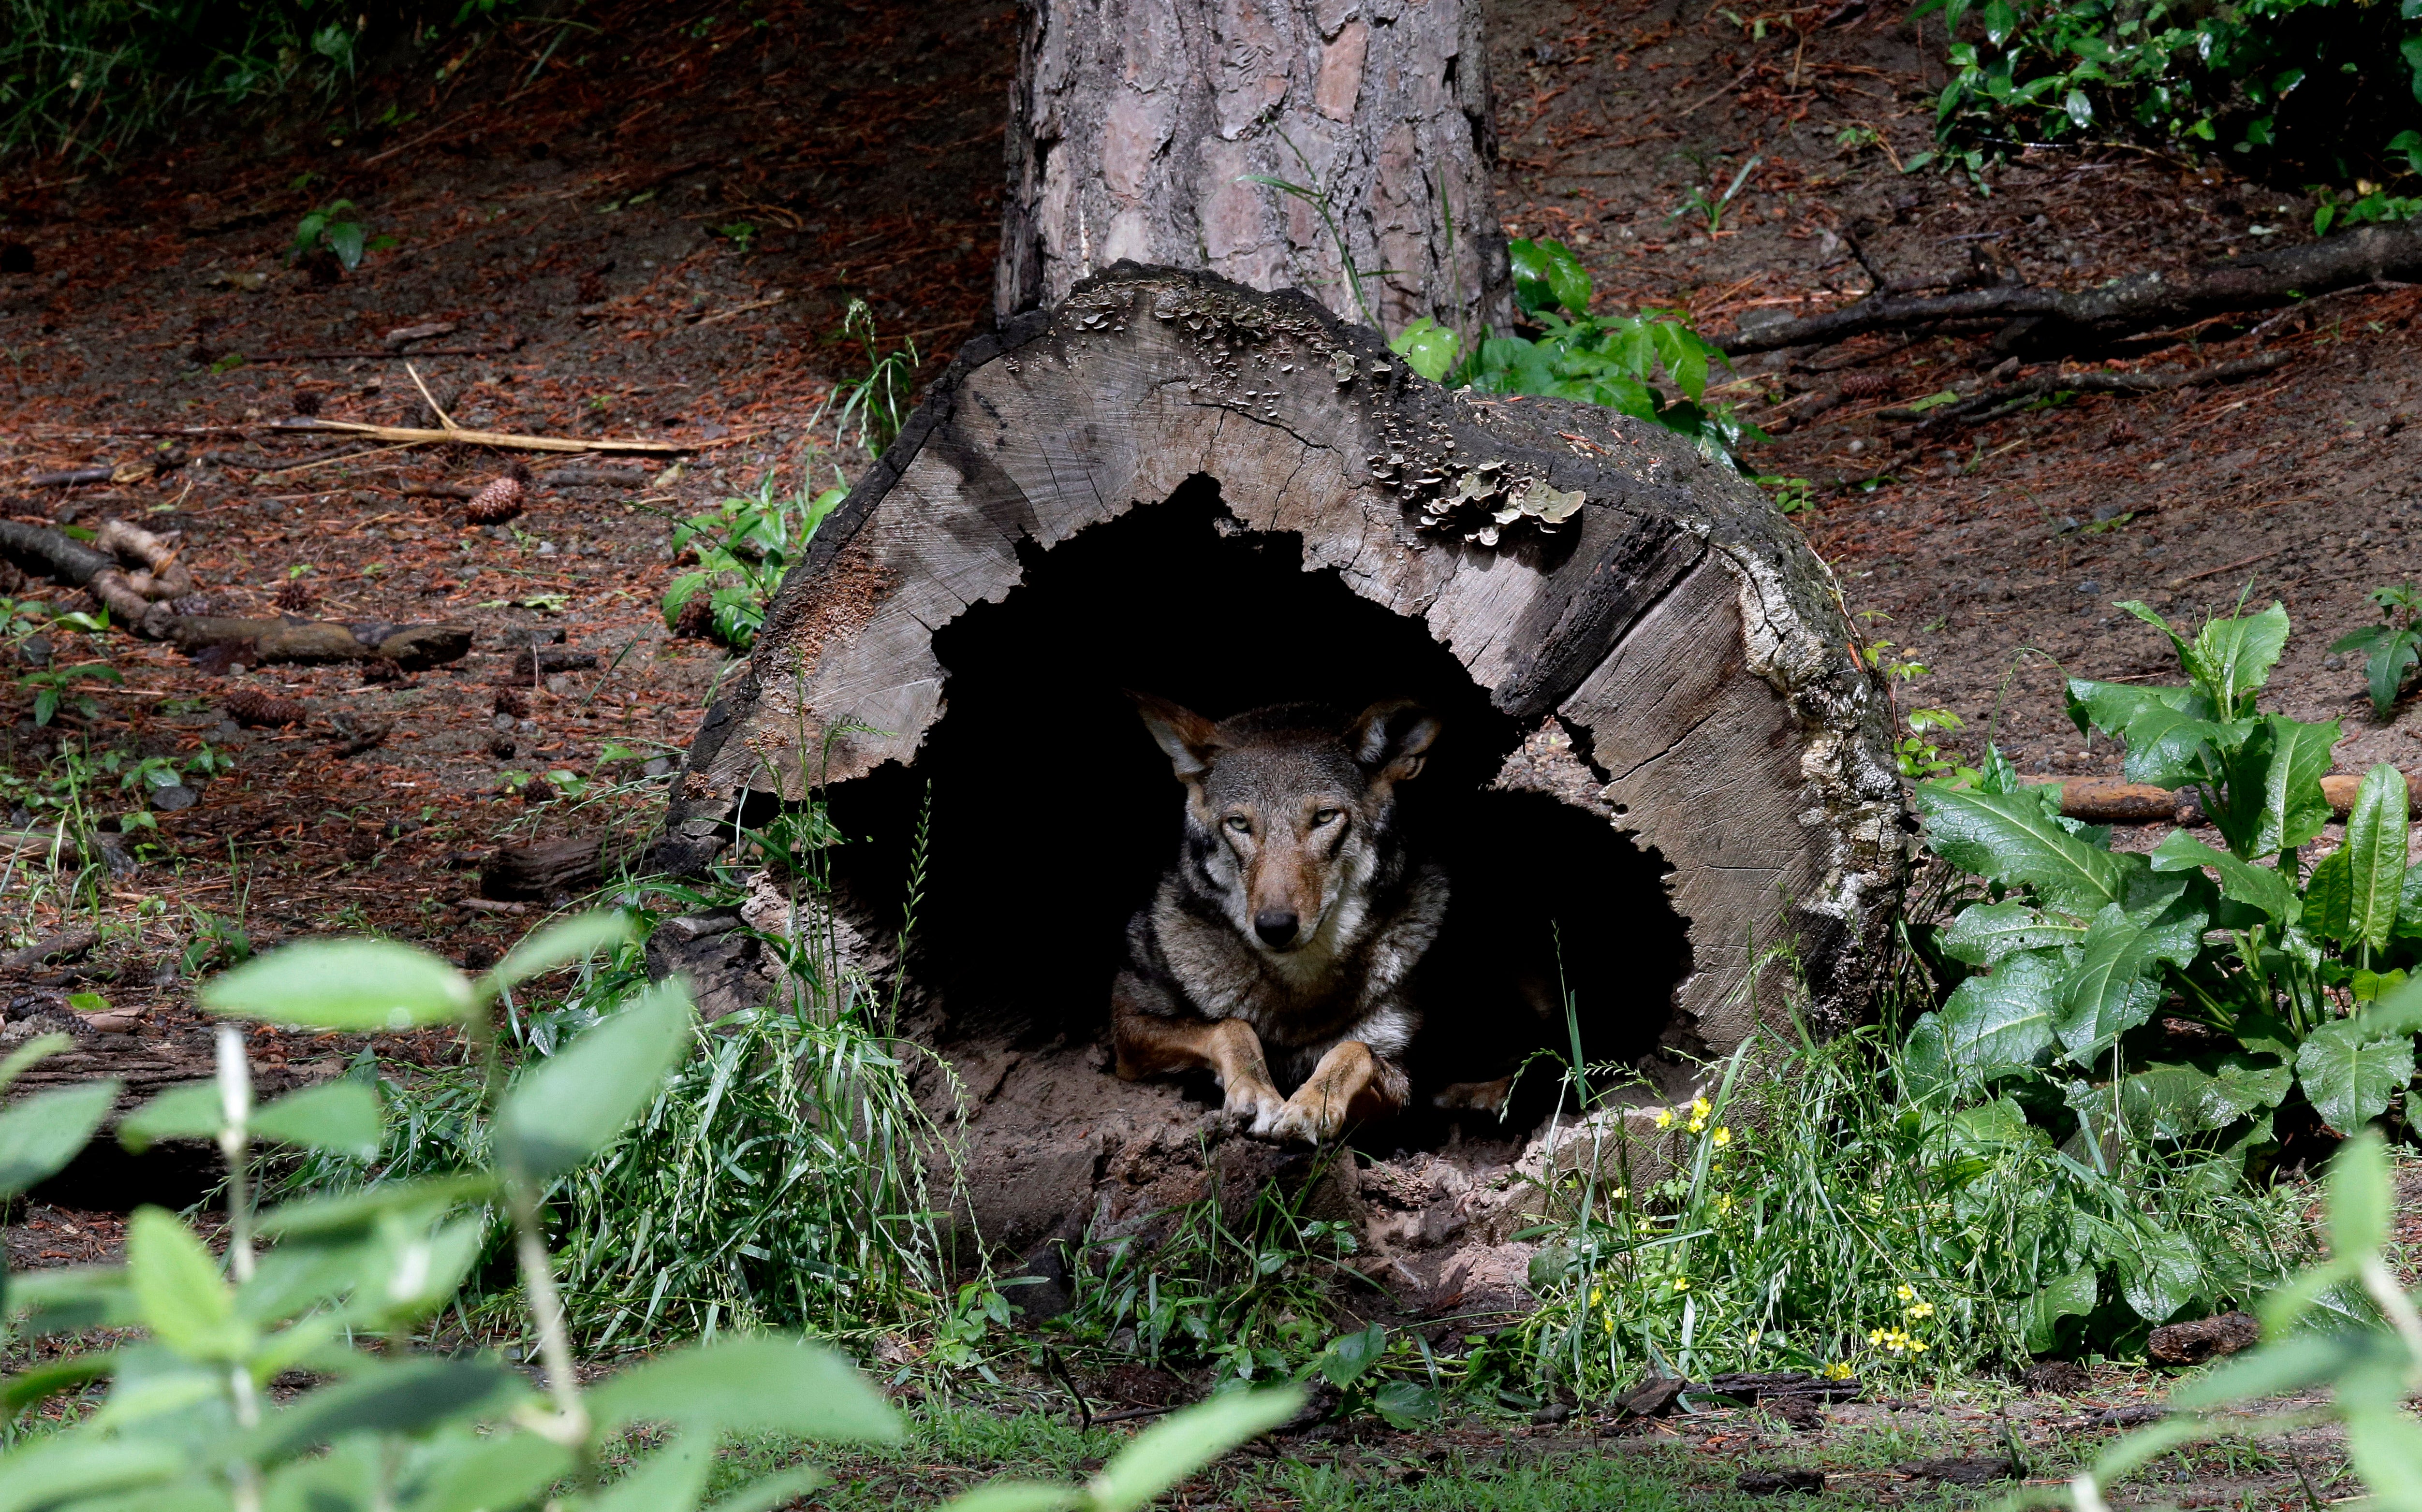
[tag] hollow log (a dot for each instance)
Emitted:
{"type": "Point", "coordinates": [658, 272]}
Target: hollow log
{"type": "Point", "coordinates": [1175, 484]}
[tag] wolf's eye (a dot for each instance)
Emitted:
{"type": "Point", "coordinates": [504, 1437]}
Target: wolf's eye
{"type": "Point", "coordinates": [1327, 815]}
{"type": "Point", "coordinates": [1240, 825]}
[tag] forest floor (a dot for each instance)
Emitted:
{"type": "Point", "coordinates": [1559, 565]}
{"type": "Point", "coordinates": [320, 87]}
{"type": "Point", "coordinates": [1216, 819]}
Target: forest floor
{"type": "Point", "coordinates": [577, 217]}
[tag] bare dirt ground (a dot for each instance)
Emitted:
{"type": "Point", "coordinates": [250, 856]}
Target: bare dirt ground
{"type": "Point", "coordinates": [561, 211]}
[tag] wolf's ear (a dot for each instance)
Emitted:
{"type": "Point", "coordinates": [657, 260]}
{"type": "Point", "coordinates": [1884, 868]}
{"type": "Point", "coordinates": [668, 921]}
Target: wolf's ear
{"type": "Point", "coordinates": [1190, 740]}
{"type": "Point", "coordinates": [1391, 739]}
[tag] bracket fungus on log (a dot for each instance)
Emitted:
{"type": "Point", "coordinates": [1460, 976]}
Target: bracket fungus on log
{"type": "Point", "coordinates": [1174, 483]}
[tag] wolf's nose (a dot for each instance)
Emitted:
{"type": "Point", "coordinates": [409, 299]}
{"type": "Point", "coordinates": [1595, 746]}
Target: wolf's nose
{"type": "Point", "coordinates": [1275, 925]}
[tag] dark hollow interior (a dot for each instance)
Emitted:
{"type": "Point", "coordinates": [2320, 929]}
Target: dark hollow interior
{"type": "Point", "coordinates": [1053, 813]}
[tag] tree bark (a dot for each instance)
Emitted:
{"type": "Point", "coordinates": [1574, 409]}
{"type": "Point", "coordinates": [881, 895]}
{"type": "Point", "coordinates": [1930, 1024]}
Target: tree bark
{"type": "Point", "coordinates": [1675, 624]}
{"type": "Point", "coordinates": [1134, 124]}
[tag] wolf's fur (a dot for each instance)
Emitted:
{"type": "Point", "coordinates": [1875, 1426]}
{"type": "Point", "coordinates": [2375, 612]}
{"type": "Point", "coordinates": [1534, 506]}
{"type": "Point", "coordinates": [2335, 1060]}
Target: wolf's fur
{"type": "Point", "coordinates": [1288, 935]}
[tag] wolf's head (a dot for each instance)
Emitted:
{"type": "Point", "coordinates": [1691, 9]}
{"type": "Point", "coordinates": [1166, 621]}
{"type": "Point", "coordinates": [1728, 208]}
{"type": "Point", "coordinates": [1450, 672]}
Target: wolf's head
{"type": "Point", "coordinates": [1290, 811]}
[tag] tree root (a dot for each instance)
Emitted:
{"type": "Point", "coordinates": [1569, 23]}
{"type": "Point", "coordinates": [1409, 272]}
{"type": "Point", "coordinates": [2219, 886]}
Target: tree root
{"type": "Point", "coordinates": [1981, 409]}
{"type": "Point", "coordinates": [2053, 320]}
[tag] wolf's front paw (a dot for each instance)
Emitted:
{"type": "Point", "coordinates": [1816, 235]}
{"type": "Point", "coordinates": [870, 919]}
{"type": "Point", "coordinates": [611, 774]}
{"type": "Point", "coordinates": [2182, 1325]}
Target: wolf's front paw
{"type": "Point", "coordinates": [1306, 1120]}
{"type": "Point", "coordinates": [1256, 1107]}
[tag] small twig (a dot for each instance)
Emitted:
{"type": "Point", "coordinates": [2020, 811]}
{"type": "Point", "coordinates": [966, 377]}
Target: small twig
{"type": "Point", "coordinates": [1994, 403]}
{"type": "Point", "coordinates": [380, 354]}
{"type": "Point", "coordinates": [2227, 567]}
{"type": "Point", "coordinates": [434, 408]}
{"type": "Point", "coordinates": [347, 457]}
{"type": "Point", "coordinates": [415, 436]}
{"type": "Point", "coordinates": [2293, 311]}
{"type": "Point", "coordinates": [1739, 79]}
{"type": "Point", "coordinates": [776, 298]}
{"type": "Point", "coordinates": [1060, 1369]}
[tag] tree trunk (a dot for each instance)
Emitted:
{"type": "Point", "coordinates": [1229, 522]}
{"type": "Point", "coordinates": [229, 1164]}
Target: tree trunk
{"type": "Point", "coordinates": [1134, 124]}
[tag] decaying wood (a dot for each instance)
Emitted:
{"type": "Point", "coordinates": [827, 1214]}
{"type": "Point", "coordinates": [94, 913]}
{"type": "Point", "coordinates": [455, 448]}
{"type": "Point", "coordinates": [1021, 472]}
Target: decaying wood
{"type": "Point", "coordinates": [134, 600]}
{"type": "Point", "coordinates": [411, 435]}
{"type": "Point", "coordinates": [1675, 624]}
{"type": "Point", "coordinates": [2057, 320]}
{"type": "Point", "coordinates": [542, 870]}
{"type": "Point", "coordinates": [72, 478]}
{"type": "Point", "coordinates": [1137, 128]}
{"type": "Point", "coordinates": [2107, 801]}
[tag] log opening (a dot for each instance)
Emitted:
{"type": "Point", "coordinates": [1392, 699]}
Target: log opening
{"type": "Point", "coordinates": [1053, 814]}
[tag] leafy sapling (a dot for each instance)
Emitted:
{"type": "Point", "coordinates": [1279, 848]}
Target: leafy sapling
{"type": "Point", "coordinates": [2390, 648]}
{"type": "Point", "coordinates": [337, 230]}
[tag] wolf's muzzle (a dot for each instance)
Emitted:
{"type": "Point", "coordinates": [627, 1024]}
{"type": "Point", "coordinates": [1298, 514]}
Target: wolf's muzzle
{"type": "Point", "coordinates": [1276, 927]}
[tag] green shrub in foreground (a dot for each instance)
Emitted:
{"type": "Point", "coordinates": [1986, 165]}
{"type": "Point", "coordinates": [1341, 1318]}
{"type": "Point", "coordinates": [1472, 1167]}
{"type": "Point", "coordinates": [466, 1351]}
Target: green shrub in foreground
{"type": "Point", "coordinates": [189, 1422]}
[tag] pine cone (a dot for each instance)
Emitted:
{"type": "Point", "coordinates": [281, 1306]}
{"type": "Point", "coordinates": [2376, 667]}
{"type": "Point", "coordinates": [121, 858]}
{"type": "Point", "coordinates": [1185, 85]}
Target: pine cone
{"type": "Point", "coordinates": [697, 618]}
{"type": "Point", "coordinates": [250, 706]}
{"type": "Point", "coordinates": [501, 747]}
{"type": "Point", "coordinates": [495, 504]}
{"type": "Point", "coordinates": [307, 401]}
{"type": "Point", "coordinates": [1866, 385]}
{"type": "Point", "coordinates": [512, 701]}
{"type": "Point", "coordinates": [296, 596]}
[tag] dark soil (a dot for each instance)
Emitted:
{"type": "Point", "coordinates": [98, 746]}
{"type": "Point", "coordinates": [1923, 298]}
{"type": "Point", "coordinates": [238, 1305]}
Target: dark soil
{"type": "Point", "coordinates": [573, 215]}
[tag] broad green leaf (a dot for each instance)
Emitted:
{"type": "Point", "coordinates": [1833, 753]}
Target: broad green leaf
{"type": "Point", "coordinates": [2239, 880]}
{"type": "Point", "coordinates": [2159, 1274]}
{"type": "Point", "coordinates": [192, 1111]}
{"type": "Point", "coordinates": [353, 984]}
{"type": "Point", "coordinates": [2359, 1200]}
{"type": "Point", "coordinates": [34, 1382]}
{"type": "Point", "coordinates": [1925, 1061]}
{"type": "Point", "coordinates": [1178, 1446]}
{"type": "Point", "coordinates": [59, 1471]}
{"type": "Point", "coordinates": [781, 1489]}
{"type": "Point", "coordinates": [184, 1301]}
{"type": "Point", "coordinates": [2384, 1443]}
{"type": "Point", "coordinates": [2397, 1012]}
{"type": "Point", "coordinates": [342, 1117]}
{"type": "Point", "coordinates": [2113, 707]}
{"type": "Point", "coordinates": [575, 1103]}
{"type": "Point", "coordinates": [392, 1396]}
{"type": "Point", "coordinates": [2329, 896]}
{"type": "Point", "coordinates": [2279, 1366]}
{"type": "Point", "coordinates": [2016, 839]}
{"type": "Point", "coordinates": [473, 1470]}
{"type": "Point", "coordinates": [41, 1047]}
{"type": "Point", "coordinates": [561, 945]}
{"type": "Point", "coordinates": [2375, 842]}
{"type": "Point", "coordinates": [2117, 982]}
{"type": "Point", "coordinates": [2170, 749]}
{"type": "Point", "coordinates": [2274, 787]}
{"type": "Point", "coordinates": [1405, 1405]}
{"type": "Point", "coordinates": [71, 1299]}
{"type": "Point", "coordinates": [1986, 932]}
{"type": "Point", "coordinates": [41, 1135]}
{"type": "Point", "coordinates": [2071, 1296]}
{"type": "Point", "coordinates": [2174, 1099]}
{"type": "Point", "coordinates": [768, 1384]}
{"type": "Point", "coordinates": [673, 1479]}
{"type": "Point", "coordinates": [2349, 1076]}
{"type": "Point", "coordinates": [357, 1212]}
{"type": "Point", "coordinates": [2231, 658]}
{"type": "Point", "coordinates": [1428, 347]}
{"type": "Point", "coordinates": [1016, 1496]}
{"type": "Point", "coordinates": [2005, 1021]}
{"type": "Point", "coordinates": [1350, 1356]}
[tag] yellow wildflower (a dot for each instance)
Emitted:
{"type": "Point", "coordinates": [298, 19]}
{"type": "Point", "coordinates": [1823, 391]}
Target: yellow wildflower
{"type": "Point", "coordinates": [1725, 1202]}
{"type": "Point", "coordinates": [1700, 1107]}
{"type": "Point", "coordinates": [1838, 1370]}
{"type": "Point", "coordinates": [1664, 1118]}
{"type": "Point", "coordinates": [1722, 1137]}
{"type": "Point", "coordinates": [1681, 1282]}
{"type": "Point", "coordinates": [1921, 1310]}
{"type": "Point", "coordinates": [1905, 1292]}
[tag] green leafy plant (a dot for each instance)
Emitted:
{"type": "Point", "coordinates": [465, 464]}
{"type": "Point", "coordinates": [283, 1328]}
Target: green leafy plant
{"type": "Point", "coordinates": [2266, 78]}
{"type": "Point", "coordinates": [2364, 1344]}
{"type": "Point", "coordinates": [1861, 1223]}
{"type": "Point", "coordinates": [743, 548]}
{"type": "Point", "coordinates": [1917, 752]}
{"type": "Point", "coordinates": [337, 231]}
{"type": "Point", "coordinates": [2073, 955]}
{"type": "Point", "coordinates": [876, 406]}
{"type": "Point", "coordinates": [2365, 204]}
{"type": "Point", "coordinates": [741, 234]}
{"type": "Point", "coordinates": [189, 1420]}
{"type": "Point", "coordinates": [1695, 201]}
{"type": "Point", "coordinates": [1792, 495]}
{"type": "Point", "coordinates": [2390, 648]}
{"type": "Point", "coordinates": [1609, 359]}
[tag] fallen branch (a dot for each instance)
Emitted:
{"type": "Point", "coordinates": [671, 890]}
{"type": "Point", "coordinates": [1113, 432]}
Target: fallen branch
{"type": "Point", "coordinates": [411, 435]}
{"type": "Point", "coordinates": [1994, 403]}
{"type": "Point", "coordinates": [130, 598]}
{"type": "Point", "coordinates": [379, 354]}
{"type": "Point", "coordinates": [2055, 319]}
{"type": "Point", "coordinates": [2104, 800]}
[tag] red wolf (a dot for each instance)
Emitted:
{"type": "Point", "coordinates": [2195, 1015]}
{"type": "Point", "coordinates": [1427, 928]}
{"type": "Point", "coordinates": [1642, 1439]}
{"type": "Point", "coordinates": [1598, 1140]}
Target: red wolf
{"type": "Point", "coordinates": [1289, 935]}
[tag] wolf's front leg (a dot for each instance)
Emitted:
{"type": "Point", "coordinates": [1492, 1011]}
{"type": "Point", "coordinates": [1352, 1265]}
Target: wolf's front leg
{"type": "Point", "coordinates": [1149, 1042]}
{"type": "Point", "coordinates": [1351, 1084]}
